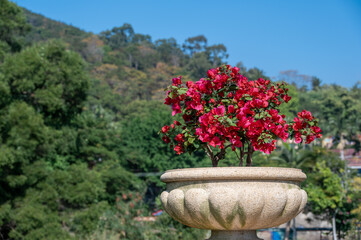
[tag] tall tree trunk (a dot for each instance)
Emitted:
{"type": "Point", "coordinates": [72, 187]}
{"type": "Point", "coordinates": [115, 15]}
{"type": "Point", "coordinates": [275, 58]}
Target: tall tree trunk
{"type": "Point", "coordinates": [334, 231]}
{"type": "Point", "coordinates": [287, 230]}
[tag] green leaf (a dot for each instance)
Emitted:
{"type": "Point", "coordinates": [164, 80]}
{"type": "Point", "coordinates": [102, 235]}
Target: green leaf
{"type": "Point", "coordinates": [182, 91]}
{"type": "Point", "coordinates": [230, 122]}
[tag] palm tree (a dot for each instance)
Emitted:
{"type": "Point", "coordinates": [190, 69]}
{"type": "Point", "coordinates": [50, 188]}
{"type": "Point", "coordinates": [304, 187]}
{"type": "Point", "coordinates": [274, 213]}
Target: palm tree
{"type": "Point", "coordinates": [294, 158]}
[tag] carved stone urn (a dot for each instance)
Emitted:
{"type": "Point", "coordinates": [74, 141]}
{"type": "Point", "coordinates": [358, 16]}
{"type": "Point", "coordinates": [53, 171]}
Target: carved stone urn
{"type": "Point", "coordinates": [233, 201]}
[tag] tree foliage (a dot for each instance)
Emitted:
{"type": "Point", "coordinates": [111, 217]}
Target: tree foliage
{"type": "Point", "coordinates": [326, 192]}
{"type": "Point", "coordinates": [357, 187]}
{"type": "Point", "coordinates": [12, 27]}
{"type": "Point", "coordinates": [49, 78]}
{"type": "Point", "coordinates": [142, 150]}
{"type": "Point", "coordinates": [79, 112]}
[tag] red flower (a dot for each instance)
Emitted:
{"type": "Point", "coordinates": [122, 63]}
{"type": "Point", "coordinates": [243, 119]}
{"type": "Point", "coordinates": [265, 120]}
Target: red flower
{"type": "Point", "coordinates": [317, 131]}
{"type": "Point", "coordinates": [165, 129]}
{"type": "Point", "coordinates": [179, 138]}
{"type": "Point", "coordinates": [209, 107]}
{"type": "Point", "coordinates": [310, 138]}
{"type": "Point", "coordinates": [189, 84]}
{"type": "Point", "coordinates": [212, 73]}
{"type": "Point", "coordinates": [166, 139]}
{"type": "Point", "coordinates": [177, 81]}
{"type": "Point", "coordinates": [297, 125]}
{"type": "Point", "coordinates": [298, 138]}
{"type": "Point", "coordinates": [219, 110]}
{"type": "Point", "coordinates": [244, 122]}
{"type": "Point", "coordinates": [231, 109]}
{"type": "Point", "coordinates": [236, 142]}
{"type": "Point", "coordinates": [305, 114]}
{"type": "Point", "coordinates": [176, 109]}
{"type": "Point", "coordinates": [215, 141]}
{"type": "Point", "coordinates": [235, 70]}
{"type": "Point", "coordinates": [286, 98]}
{"type": "Point", "coordinates": [168, 101]}
{"type": "Point", "coordinates": [179, 149]}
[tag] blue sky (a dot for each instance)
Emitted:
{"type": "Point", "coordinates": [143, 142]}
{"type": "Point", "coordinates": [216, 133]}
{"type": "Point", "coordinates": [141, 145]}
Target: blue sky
{"type": "Point", "coordinates": [315, 37]}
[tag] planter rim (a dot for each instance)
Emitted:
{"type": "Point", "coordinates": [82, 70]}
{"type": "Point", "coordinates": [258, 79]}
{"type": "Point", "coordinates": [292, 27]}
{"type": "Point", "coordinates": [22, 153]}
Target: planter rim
{"type": "Point", "coordinates": [233, 173]}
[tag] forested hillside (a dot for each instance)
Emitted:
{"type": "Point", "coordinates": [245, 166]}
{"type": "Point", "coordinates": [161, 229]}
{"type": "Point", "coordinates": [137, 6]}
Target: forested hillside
{"type": "Point", "coordinates": [80, 114]}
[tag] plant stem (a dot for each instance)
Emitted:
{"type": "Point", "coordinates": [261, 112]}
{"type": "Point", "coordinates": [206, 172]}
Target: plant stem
{"type": "Point", "coordinates": [220, 155]}
{"type": "Point", "coordinates": [215, 158]}
{"type": "Point", "coordinates": [241, 152]}
{"type": "Point", "coordinates": [249, 154]}
{"type": "Point", "coordinates": [210, 155]}
{"type": "Point", "coordinates": [239, 158]}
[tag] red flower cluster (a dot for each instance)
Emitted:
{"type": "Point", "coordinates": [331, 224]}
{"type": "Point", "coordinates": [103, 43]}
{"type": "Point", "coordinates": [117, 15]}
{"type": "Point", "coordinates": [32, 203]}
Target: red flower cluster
{"type": "Point", "coordinates": [305, 124]}
{"type": "Point", "coordinates": [227, 110]}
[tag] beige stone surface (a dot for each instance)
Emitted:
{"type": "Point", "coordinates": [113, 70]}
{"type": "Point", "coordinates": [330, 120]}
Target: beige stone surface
{"type": "Point", "coordinates": [236, 198]}
{"type": "Point", "coordinates": [234, 235]}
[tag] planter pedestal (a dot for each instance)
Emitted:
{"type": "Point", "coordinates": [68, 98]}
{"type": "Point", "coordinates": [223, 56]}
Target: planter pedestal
{"type": "Point", "coordinates": [232, 201]}
{"type": "Point", "coordinates": [234, 235]}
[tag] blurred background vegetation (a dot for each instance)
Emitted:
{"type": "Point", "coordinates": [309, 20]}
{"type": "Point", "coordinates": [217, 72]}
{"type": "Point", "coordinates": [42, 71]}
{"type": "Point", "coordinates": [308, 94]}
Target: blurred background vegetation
{"type": "Point", "coordinates": [80, 155]}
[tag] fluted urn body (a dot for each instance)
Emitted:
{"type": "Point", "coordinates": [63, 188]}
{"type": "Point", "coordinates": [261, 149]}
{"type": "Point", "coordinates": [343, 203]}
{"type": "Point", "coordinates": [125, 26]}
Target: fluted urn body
{"type": "Point", "coordinates": [227, 200]}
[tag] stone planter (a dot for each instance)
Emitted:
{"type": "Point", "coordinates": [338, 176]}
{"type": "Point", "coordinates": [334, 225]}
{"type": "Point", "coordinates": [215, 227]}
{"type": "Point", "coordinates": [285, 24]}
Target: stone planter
{"type": "Point", "coordinates": [234, 201]}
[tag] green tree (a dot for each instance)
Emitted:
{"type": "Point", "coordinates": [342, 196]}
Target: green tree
{"type": "Point", "coordinates": [316, 83]}
{"type": "Point", "coordinates": [60, 199]}
{"type": "Point", "coordinates": [169, 51]}
{"type": "Point", "coordinates": [49, 78]}
{"type": "Point", "coordinates": [338, 110]}
{"type": "Point", "coordinates": [198, 65]}
{"type": "Point", "coordinates": [289, 156]}
{"type": "Point", "coordinates": [24, 139]}
{"type": "Point", "coordinates": [24, 142]}
{"type": "Point", "coordinates": [356, 184]}
{"type": "Point", "coordinates": [254, 74]}
{"type": "Point", "coordinates": [97, 137]}
{"type": "Point", "coordinates": [45, 29]}
{"type": "Point", "coordinates": [143, 149]}
{"type": "Point", "coordinates": [59, 166]}
{"type": "Point", "coordinates": [217, 54]}
{"type": "Point", "coordinates": [119, 36]}
{"type": "Point", "coordinates": [195, 44]}
{"type": "Point", "coordinates": [12, 26]}
{"type": "Point", "coordinates": [141, 55]}
{"type": "Point", "coordinates": [329, 197]}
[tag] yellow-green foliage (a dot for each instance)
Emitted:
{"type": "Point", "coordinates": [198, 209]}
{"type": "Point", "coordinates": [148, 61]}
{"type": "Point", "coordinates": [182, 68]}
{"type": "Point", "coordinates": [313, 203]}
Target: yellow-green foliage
{"type": "Point", "coordinates": [356, 184]}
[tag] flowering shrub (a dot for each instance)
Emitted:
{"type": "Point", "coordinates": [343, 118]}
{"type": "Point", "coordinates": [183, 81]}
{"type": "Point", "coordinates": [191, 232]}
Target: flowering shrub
{"type": "Point", "coordinates": [226, 110]}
